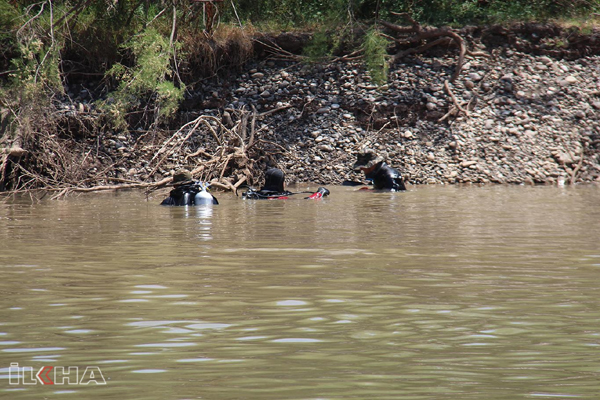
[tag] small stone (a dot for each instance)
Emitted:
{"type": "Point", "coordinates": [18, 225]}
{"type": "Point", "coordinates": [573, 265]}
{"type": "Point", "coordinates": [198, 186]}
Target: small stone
{"type": "Point", "coordinates": [266, 93]}
{"type": "Point", "coordinates": [469, 85]}
{"type": "Point", "coordinates": [326, 147]}
{"type": "Point", "coordinates": [467, 164]}
{"type": "Point", "coordinates": [596, 105]}
{"type": "Point", "coordinates": [257, 75]}
{"type": "Point", "coordinates": [563, 158]}
{"type": "Point", "coordinates": [579, 114]}
{"type": "Point", "coordinates": [474, 76]}
{"type": "Point", "coordinates": [571, 79]}
{"type": "Point", "coordinates": [431, 106]}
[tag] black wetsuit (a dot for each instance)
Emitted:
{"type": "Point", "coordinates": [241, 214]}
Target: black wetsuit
{"type": "Point", "coordinates": [385, 177]}
{"type": "Point", "coordinates": [265, 194]}
{"type": "Point", "coordinates": [273, 188]}
{"type": "Point", "coordinates": [184, 196]}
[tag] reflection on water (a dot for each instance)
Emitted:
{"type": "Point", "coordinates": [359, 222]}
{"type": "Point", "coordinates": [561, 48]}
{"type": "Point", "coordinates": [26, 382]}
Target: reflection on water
{"type": "Point", "coordinates": [436, 293]}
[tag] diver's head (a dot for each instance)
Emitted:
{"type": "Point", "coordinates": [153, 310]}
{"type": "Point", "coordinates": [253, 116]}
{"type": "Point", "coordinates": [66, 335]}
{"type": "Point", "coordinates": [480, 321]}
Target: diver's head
{"type": "Point", "coordinates": [367, 159]}
{"type": "Point", "coordinates": [274, 179]}
{"type": "Point", "coordinates": [182, 177]}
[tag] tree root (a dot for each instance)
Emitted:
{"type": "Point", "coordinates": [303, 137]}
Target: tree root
{"type": "Point", "coordinates": [416, 34]}
{"type": "Point", "coordinates": [457, 106]}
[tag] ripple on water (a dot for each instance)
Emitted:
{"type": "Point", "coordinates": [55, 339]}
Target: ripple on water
{"type": "Point", "coordinates": [251, 338]}
{"type": "Point", "coordinates": [169, 344]}
{"type": "Point", "coordinates": [134, 301]}
{"type": "Point", "coordinates": [150, 287]}
{"type": "Point", "coordinates": [291, 303]}
{"type": "Point", "coordinates": [80, 331]}
{"type": "Point", "coordinates": [149, 371]}
{"type": "Point", "coordinates": [208, 326]}
{"type": "Point", "coordinates": [296, 340]}
{"type": "Point", "coordinates": [32, 350]}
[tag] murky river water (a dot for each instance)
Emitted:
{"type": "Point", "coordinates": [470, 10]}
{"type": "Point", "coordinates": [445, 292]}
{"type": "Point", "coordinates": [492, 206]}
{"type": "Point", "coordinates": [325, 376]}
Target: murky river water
{"type": "Point", "coordinates": [436, 293]}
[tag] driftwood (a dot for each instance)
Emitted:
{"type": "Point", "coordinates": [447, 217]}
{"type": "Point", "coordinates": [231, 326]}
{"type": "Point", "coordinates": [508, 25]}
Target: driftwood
{"type": "Point", "coordinates": [229, 157]}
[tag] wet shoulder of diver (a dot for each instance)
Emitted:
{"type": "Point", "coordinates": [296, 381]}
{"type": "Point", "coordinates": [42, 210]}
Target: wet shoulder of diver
{"type": "Point", "coordinates": [377, 171]}
{"type": "Point", "coordinates": [274, 188]}
{"type": "Point", "coordinates": [187, 192]}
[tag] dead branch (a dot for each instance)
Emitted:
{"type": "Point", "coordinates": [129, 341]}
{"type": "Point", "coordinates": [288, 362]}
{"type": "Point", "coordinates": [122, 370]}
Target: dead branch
{"type": "Point", "coordinates": [239, 182]}
{"type": "Point", "coordinates": [279, 52]}
{"type": "Point", "coordinates": [252, 127]}
{"type": "Point", "coordinates": [199, 152]}
{"type": "Point", "coordinates": [577, 168]}
{"type": "Point", "coordinates": [422, 48]}
{"type": "Point", "coordinates": [226, 186]}
{"type": "Point", "coordinates": [13, 151]}
{"type": "Point", "coordinates": [456, 108]}
{"type": "Point", "coordinates": [352, 56]}
{"type": "Point", "coordinates": [274, 110]}
{"type": "Point", "coordinates": [140, 185]}
{"type": "Point", "coordinates": [64, 191]}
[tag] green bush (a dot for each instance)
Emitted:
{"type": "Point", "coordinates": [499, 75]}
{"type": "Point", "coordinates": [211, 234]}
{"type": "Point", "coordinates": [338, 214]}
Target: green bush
{"type": "Point", "coordinates": [147, 81]}
{"type": "Point", "coordinates": [376, 57]}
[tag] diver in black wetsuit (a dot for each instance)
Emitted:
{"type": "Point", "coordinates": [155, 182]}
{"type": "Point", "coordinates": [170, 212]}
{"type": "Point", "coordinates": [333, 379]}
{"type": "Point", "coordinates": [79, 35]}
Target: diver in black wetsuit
{"type": "Point", "coordinates": [187, 192]}
{"type": "Point", "coordinates": [274, 180]}
{"type": "Point", "coordinates": [376, 170]}
{"type": "Point", "coordinates": [273, 188]}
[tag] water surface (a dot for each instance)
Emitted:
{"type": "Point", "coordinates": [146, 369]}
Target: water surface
{"type": "Point", "coordinates": [436, 293]}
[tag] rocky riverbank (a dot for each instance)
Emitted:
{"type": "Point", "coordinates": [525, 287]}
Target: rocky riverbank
{"type": "Point", "coordinates": [511, 117]}
{"type": "Point", "coordinates": [527, 119]}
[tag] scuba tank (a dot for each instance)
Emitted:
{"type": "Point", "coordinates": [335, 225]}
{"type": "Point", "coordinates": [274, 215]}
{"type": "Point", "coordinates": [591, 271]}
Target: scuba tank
{"type": "Point", "coordinates": [203, 197]}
